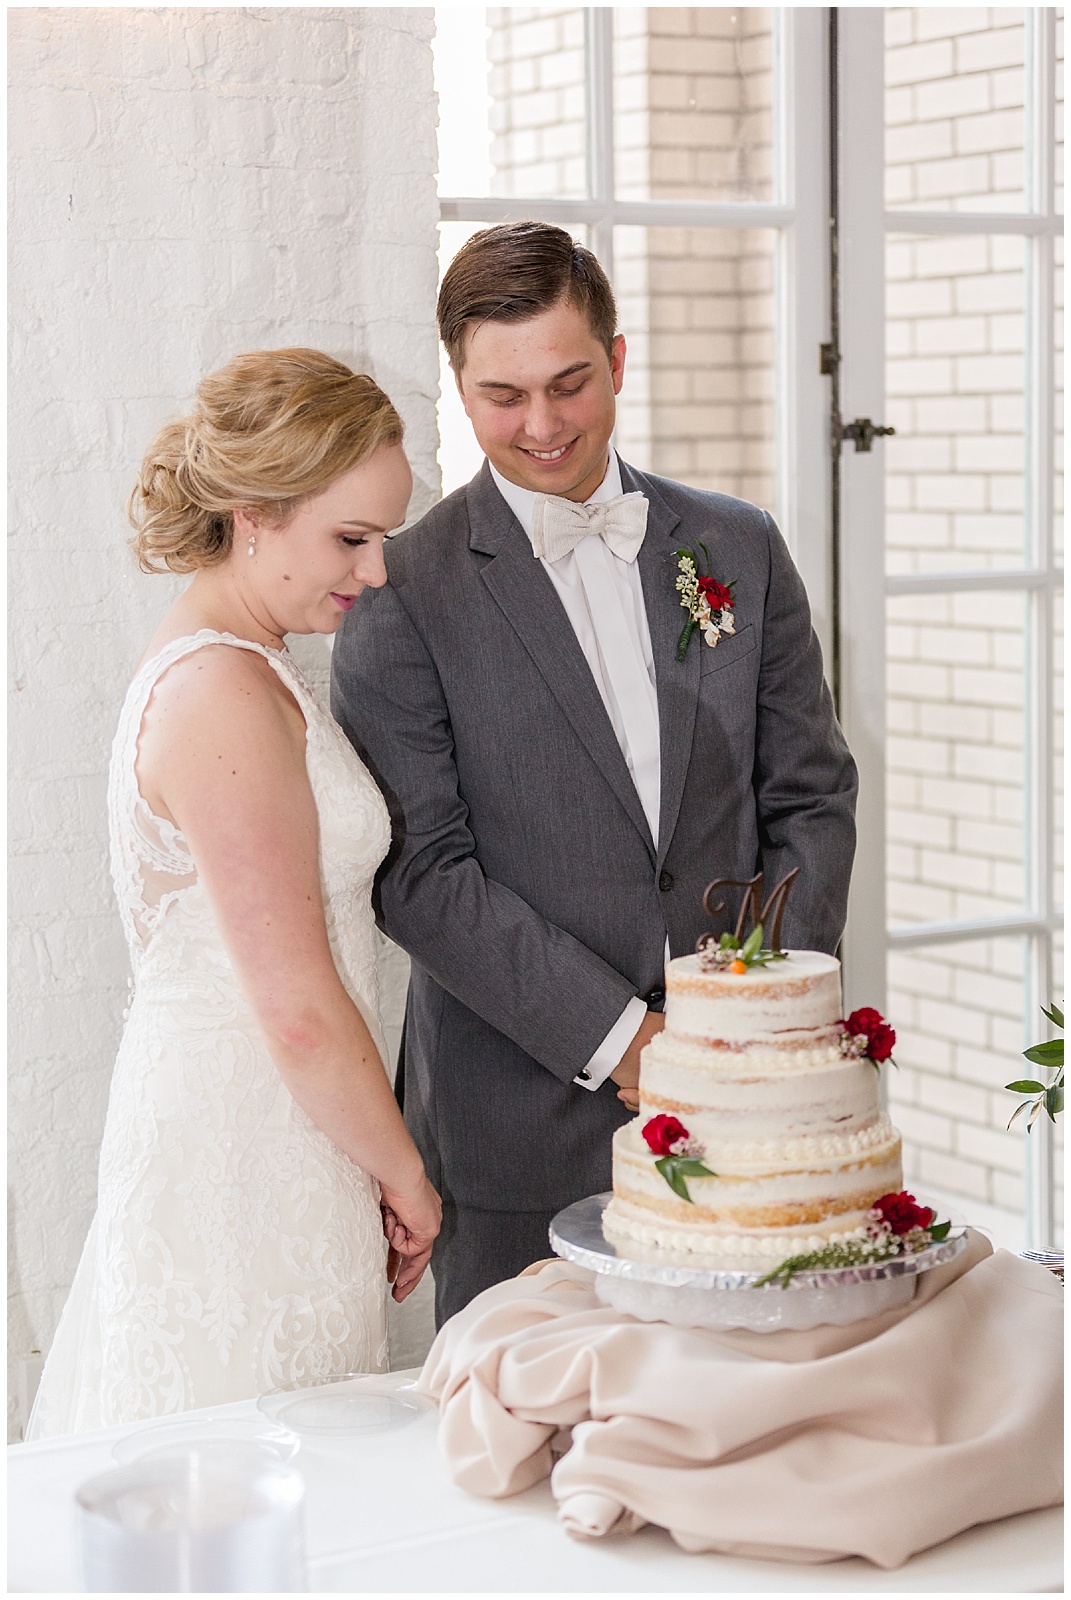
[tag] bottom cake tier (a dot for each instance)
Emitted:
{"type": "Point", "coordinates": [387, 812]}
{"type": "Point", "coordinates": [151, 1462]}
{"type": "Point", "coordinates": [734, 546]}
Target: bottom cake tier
{"type": "Point", "coordinates": [809, 1199]}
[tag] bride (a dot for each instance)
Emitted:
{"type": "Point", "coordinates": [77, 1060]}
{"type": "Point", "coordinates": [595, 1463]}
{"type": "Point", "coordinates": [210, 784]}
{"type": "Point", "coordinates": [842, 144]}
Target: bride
{"type": "Point", "coordinates": [258, 1188]}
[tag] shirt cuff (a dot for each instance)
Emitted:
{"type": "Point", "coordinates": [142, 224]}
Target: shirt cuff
{"type": "Point", "coordinates": [613, 1047]}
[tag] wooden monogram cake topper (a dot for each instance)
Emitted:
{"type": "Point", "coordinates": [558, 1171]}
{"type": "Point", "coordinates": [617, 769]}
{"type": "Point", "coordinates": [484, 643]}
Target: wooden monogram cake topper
{"type": "Point", "coordinates": [768, 916]}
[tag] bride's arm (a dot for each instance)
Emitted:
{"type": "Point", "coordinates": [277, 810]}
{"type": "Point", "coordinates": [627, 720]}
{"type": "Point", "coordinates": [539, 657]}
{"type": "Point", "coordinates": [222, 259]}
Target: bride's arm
{"type": "Point", "coordinates": [222, 753]}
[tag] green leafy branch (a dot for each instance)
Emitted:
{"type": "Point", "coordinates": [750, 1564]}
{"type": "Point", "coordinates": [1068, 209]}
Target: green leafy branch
{"type": "Point", "coordinates": [1048, 1097]}
{"type": "Point", "coordinates": [676, 1168]}
{"type": "Point", "coordinates": [848, 1253]}
{"type": "Point", "coordinates": [751, 952]}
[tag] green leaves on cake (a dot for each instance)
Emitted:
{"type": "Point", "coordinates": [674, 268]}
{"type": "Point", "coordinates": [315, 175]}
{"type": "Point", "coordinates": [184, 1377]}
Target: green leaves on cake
{"type": "Point", "coordinates": [896, 1226]}
{"type": "Point", "coordinates": [732, 956]}
{"type": "Point", "coordinates": [679, 1153]}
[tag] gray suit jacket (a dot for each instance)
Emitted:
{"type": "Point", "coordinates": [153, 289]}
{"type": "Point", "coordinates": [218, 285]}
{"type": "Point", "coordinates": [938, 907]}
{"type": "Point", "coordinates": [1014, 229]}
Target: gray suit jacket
{"type": "Point", "coordinates": [522, 878]}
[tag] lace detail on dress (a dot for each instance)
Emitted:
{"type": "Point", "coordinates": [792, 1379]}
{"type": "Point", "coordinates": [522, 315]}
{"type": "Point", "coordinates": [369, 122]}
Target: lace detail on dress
{"type": "Point", "coordinates": [235, 1248]}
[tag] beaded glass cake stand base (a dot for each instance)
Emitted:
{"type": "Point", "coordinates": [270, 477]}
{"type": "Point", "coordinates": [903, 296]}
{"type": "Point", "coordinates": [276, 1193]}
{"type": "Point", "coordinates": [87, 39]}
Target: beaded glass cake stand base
{"type": "Point", "coordinates": [694, 1293]}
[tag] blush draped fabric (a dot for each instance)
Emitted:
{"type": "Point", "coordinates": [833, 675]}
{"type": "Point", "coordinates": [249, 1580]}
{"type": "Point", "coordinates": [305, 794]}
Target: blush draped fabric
{"type": "Point", "coordinates": [878, 1440]}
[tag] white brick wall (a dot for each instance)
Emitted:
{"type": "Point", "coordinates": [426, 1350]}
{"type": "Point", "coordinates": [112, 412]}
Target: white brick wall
{"type": "Point", "coordinates": [954, 115]}
{"type": "Point", "coordinates": [186, 184]}
{"type": "Point", "coordinates": [537, 93]}
{"type": "Point", "coordinates": [693, 90]}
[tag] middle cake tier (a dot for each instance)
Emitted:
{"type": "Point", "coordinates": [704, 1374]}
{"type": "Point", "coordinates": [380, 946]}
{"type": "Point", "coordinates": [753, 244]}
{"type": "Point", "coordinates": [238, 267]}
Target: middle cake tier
{"type": "Point", "coordinates": [793, 1134]}
{"type": "Point", "coordinates": [757, 1102]}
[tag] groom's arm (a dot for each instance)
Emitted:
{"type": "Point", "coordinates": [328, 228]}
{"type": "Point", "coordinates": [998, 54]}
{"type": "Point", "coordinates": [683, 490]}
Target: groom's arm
{"type": "Point", "coordinates": [532, 981]}
{"type": "Point", "coordinates": [805, 780]}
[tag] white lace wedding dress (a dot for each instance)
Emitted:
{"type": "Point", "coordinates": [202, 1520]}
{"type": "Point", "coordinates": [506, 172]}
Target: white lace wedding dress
{"type": "Point", "coordinates": [235, 1248]}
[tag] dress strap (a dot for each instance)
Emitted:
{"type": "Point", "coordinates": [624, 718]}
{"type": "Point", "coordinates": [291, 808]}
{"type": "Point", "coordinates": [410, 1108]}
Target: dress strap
{"type": "Point", "coordinates": [144, 845]}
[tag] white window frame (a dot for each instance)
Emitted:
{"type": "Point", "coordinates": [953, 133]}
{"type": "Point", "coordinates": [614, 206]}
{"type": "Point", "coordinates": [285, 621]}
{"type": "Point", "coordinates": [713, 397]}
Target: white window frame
{"type": "Point", "coordinates": [864, 227]}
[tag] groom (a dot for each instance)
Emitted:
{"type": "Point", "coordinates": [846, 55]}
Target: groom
{"type": "Point", "coordinates": [562, 785]}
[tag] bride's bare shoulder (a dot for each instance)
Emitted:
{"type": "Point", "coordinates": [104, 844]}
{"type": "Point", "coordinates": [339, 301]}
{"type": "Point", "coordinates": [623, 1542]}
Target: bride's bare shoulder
{"type": "Point", "coordinates": [220, 686]}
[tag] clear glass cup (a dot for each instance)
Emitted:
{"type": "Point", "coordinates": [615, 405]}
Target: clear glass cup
{"type": "Point", "coordinates": [205, 1520]}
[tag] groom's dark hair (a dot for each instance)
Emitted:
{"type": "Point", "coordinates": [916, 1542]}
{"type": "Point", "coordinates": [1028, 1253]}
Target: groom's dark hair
{"type": "Point", "coordinates": [515, 271]}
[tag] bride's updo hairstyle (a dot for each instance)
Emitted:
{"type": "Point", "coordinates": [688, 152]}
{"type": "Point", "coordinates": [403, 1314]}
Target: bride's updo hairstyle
{"type": "Point", "coordinates": [267, 430]}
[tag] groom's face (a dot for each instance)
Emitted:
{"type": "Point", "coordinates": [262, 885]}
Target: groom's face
{"type": "Point", "coordinates": [541, 399]}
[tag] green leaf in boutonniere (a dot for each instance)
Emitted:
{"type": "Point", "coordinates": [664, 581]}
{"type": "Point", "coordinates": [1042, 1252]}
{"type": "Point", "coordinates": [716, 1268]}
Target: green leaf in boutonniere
{"type": "Point", "coordinates": [676, 1168]}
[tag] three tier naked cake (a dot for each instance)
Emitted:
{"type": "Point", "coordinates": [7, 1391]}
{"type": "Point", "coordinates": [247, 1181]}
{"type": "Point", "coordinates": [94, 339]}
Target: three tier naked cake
{"type": "Point", "coordinates": [760, 1135]}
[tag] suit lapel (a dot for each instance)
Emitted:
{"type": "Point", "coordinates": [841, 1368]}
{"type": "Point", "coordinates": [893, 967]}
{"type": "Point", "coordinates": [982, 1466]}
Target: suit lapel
{"type": "Point", "coordinates": [521, 588]}
{"type": "Point", "coordinates": [676, 682]}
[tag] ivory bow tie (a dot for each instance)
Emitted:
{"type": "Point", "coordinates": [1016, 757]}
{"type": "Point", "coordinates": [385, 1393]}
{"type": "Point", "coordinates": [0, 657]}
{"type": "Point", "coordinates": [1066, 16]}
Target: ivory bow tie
{"type": "Point", "coordinates": [559, 525]}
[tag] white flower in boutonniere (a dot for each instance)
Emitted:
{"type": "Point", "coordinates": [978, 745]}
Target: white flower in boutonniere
{"type": "Point", "coordinates": [709, 604]}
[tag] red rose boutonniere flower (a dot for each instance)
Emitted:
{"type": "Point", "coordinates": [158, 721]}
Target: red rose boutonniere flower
{"type": "Point", "coordinates": [680, 1155]}
{"type": "Point", "coordinates": [709, 604]}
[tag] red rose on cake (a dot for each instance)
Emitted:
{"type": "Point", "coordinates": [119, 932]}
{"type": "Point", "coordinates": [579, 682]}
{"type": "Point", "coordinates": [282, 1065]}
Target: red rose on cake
{"type": "Point", "coordinates": [662, 1133]}
{"type": "Point", "coordinates": [870, 1034]}
{"type": "Point", "coordinates": [902, 1212]}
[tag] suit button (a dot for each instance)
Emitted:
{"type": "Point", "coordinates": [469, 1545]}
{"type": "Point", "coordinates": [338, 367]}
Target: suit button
{"type": "Point", "coordinates": [665, 880]}
{"type": "Point", "coordinates": [655, 999]}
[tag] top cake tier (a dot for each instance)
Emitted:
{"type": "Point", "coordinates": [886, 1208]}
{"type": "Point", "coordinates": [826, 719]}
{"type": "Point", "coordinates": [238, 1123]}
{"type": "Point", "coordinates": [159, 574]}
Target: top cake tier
{"type": "Point", "coordinates": [782, 998]}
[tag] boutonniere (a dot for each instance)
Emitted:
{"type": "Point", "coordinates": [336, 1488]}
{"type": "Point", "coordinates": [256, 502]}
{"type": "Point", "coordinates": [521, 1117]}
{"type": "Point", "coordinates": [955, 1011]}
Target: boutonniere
{"type": "Point", "coordinates": [709, 604]}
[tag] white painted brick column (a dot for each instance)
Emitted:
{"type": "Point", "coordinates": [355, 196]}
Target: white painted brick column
{"type": "Point", "coordinates": [187, 183]}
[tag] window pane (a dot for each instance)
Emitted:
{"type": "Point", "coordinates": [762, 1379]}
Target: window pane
{"type": "Point", "coordinates": [693, 92]}
{"type": "Point", "coordinates": [459, 454]}
{"type": "Point", "coordinates": [697, 308]}
{"type": "Point", "coordinates": [462, 72]}
{"type": "Point", "coordinates": [1058, 442]}
{"type": "Point", "coordinates": [954, 118]}
{"type": "Point", "coordinates": [512, 108]}
{"type": "Point", "coordinates": [959, 1019]}
{"type": "Point", "coordinates": [1059, 108]}
{"type": "Point", "coordinates": [954, 379]}
{"type": "Point", "coordinates": [955, 756]}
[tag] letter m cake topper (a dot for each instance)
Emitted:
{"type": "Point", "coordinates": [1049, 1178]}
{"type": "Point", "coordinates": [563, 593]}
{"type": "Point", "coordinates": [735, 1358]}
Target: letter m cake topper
{"type": "Point", "coordinates": [764, 917]}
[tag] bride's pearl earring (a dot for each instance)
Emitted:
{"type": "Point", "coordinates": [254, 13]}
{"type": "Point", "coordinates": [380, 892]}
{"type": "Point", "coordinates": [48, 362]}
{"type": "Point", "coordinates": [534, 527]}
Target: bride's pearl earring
{"type": "Point", "coordinates": [252, 544]}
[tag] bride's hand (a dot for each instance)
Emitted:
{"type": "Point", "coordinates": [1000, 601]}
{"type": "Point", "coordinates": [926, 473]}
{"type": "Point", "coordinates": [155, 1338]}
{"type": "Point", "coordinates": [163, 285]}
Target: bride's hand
{"type": "Point", "coordinates": [411, 1220]}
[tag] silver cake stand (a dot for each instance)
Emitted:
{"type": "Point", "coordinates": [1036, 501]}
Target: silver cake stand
{"type": "Point", "coordinates": [692, 1292]}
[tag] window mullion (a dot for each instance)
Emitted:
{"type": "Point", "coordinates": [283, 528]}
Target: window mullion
{"type": "Point", "coordinates": [1039, 818]}
{"type": "Point", "coordinates": [599, 78]}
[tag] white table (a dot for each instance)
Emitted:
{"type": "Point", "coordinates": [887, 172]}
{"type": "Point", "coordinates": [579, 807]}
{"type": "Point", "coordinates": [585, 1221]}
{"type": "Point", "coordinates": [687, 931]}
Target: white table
{"type": "Point", "coordinates": [382, 1516]}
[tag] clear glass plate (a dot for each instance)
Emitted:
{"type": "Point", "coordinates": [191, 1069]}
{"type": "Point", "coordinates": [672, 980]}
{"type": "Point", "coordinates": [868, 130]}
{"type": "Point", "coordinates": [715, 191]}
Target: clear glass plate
{"type": "Point", "coordinates": [253, 1437]}
{"type": "Point", "coordinates": [350, 1406]}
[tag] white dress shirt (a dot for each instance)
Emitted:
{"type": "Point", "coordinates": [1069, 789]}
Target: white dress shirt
{"type": "Point", "coordinates": [603, 599]}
